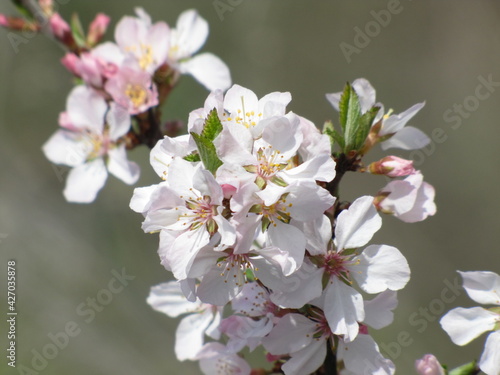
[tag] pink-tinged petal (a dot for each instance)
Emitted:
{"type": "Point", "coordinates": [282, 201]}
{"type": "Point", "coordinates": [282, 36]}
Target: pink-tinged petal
{"type": "Point", "coordinates": [234, 145]}
{"type": "Point", "coordinates": [292, 333]}
{"type": "Point", "coordinates": [395, 123]}
{"type": "Point", "coordinates": [429, 365]}
{"type": "Point", "coordinates": [464, 325]}
{"type": "Point", "coordinates": [289, 239]}
{"type": "Point", "coordinates": [220, 286]}
{"type": "Point", "coordinates": [307, 360]}
{"type": "Point", "coordinates": [408, 138]}
{"type": "Point", "coordinates": [274, 104]}
{"type": "Point", "coordinates": [97, 28]}
{"type": "Point", "coordinates": [343, 309]}
{"type": "Point", "coordinates": [129, 32]}
{"type": "Point", "coordinates": [362, 356]}
{"type": "Point", "coordinates": [191, 32]}
{"type": "Point", "coordinates": [184, 250]}
{"type": "Point", "coordinates": [215, 356]}
{"type": "Point", "coordinates": [86, 109]}
{"type": "Point", "coordinates": [180, 177]}
{"type": "Point", "coordinates": [482, 286]}
{"type": "Point", "coordinates": [319, 168]}
{"type": "Point", "coordinates": [489, 362]}
{"type": "Point", "coordinates": [402, 194]}
{"type": "Point", "coordinates": [292, 291]}
{"type": "Point", "coordinates": [378, 311]}
{"type": "Point", "coordinates": [318, 233]}
{"type": "Point", "coordinates": [334, 99]}
{"type": "Point", "coordinates": [205, 183]}
{"type": "Point", "coordinates": [283, 134]}
{"type": "Point", "coordinates": [226, 230]}
{"type": "Point", "coordinates": [209, 70]}
{"type": "Point", "coordinates": [381, 267]}
{"type": "Point", "coordinates": [168, 298]}
{"type": "Point", "coordinates": [85, 181]}
{"type": "Point", "coordinates": [357, 225]}
{"type": "Point", "coordinates": [189, 336]}
{"type": "Point", "coordinates": [120, 167]}
{"type": "Point", "coordinates": [308, 200]}
{"type": "Point", "coordinates": [109, 53]}
{"type": "Point", "coordinates": [65, 148]}
{"type": "Point", "coordinates": [141, 198]}
{"type": "Point", "coordinates": [424, 205]}
{"type": "Point", "coordinates": [240, 98]}
{"type": "Point", "coordinates": [118, 120]}
{"type": "Point", "coordinates": [365, 92]}
{"type": "Point", "coordinates": [159, 39]}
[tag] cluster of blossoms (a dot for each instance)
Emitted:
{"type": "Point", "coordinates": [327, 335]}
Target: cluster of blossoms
{"type": "Point", "coordinates": [248, 215]}
{"type": "Point", "coordinates": [121, 86]}
{"type": "Point", "coordinates": [248, 211]}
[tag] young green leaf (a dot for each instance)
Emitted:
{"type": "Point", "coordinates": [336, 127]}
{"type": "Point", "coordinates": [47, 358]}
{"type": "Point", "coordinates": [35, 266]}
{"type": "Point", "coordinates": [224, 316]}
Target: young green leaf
{"type": "Point", "coordinates": [193, 157]}
{"type": "Point", "coordinates": [207, 152]}
{"type": "Point", "coordinates": [468, 369]}
{"type": "Point", "coordinates": [335, 137]}
{"type": "Point", "coordinates": [77, 30]}
{"type": "Point", "coordinates": [363, 128]}
{"type": "Point", "coordinates": [350, 113]}
{"type": "Point", "coordinates": [26, 12]}
{"type": "Point", "coordinates": [212, 126]}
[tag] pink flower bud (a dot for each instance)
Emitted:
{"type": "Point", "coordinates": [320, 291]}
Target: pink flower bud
{"type": "Point", "coordinates": [228, 190]}
{"type": "Point", "coordinates": [392, 166]}
{"type": "Point", "coordinates": [428, 365]}
{"type": "Point", "coordinates": [3, 20]}
{"type": "Point", "coordinates": [70, 62]}
{"type": "Point", "coordinates": [18, 23]}
{"type": "Point", "coordinates": [59, 27]}
{"type": "Point", "coordinates": [97, 29]}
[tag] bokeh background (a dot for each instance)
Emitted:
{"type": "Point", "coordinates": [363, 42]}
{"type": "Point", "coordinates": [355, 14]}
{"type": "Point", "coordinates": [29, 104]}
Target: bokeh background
{"type": "Point", "coordinates": [429, 50]}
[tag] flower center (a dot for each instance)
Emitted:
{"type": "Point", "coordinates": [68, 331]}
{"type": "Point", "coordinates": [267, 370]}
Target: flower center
{"type": "Point", "coordinates": [338, 265]}
{"type": "Point", "coordinates": [234, 267]}
{"type": "Point", "coordinates": [146, 57]}
{"type": "Point", "coordinates": [201, 212]}
{"type": "Point", "coordinates": [137, 94]}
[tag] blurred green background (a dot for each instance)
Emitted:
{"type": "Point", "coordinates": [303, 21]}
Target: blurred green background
{"type": "Point", "coordinates": [429, 50]}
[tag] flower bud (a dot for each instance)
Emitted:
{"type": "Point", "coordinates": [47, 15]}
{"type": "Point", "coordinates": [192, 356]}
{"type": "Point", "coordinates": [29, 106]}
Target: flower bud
{"type": "Point", "coordinates": [97, 29]}
{"type": "Point", "coordinates": [392, 166]}
{"type": "Point", "coordinates": [429, 365]}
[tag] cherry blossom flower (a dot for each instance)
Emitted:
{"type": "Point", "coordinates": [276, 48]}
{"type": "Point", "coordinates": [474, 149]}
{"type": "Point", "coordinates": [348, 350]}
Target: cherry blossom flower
{"type": "Point", "coordinates": [465, 324]}
{"type": "Point", "coordinates": [215, 359]}
{"type": "Point", "coordinates": [144, 44]}
{"type": "Point", "coordinates": [89, 143]}
{"type": "Point", "coordinates": [429, 365]}
{"type": "Point", "coordinates": [393, 132]}
{"type": "Point", "coordinates": [186, 39]}
{"type": "Point", "coordinates": [410, 200]}
{"type": "Point", "coordinates": [203, 319]}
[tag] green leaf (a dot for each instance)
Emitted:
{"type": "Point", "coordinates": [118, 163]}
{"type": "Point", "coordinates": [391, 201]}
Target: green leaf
{"type": "Point", "coordinates": [193, 157]}
{"type": "Point", "coordinates": [363, 128]}
{"type": "Point", "coordinates": [23, 9]}
{"type": "Point", "coordinates": [207, 152]}
{"type": "Point", "coordinates": [335, 137]}
{"type": "Point", "coordinates": [77, 30]}
{"type": "Point", "coordinates": [350, 113]}
{"type": "Point", "coordinates": [212, 126]}
{"type": "Point", "coordinates": [468, 369]}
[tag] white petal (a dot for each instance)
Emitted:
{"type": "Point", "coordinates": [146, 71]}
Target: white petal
{"type": "Point", "coordinates": [289, 239]}
{"type": "Point", "coordinates": [141, 198]}
{"type": "Point", "coordinates": [366, 93]}
{"type": "Point", "coordinates": [490, 359]}
{"type": "Point", "coordinates": [408, 138]}
{"type": "Point", "coordinates": [307, 360]}
{"type": "Point", "coordinates": [118, 120]}
{"type": "Point", "coordinates": [343, 309]}
{"type": "Point", "coordinates": [85, 181]}
{"type": "Point", "coordinates": [482, 286]}
{"type": "Point", "coordinates": [120, 167]}
{"type": "Point", "coordinates": [209, 70]}
{"type": "Point", "coordinates": [292, 333]}
{"type": "Point", "coordinates": [169, 299]}
{"type": "Point", "coordinates": [381, 267]}
{"type": "Point", "coordinates": [67, 148]}
{"type": "Point", "coordinates": [191, 30]}
{"type": "Point", "coordinates": [357, 225]}
{"type": "Point", "coordinates": [184, 250]}
{"type": "Point", "coordinates": [86, 109]}
{"type": "Point", "coordinates": [464, 325]}
{"type": "Point", "coordinates": [219, 286]}
{"type": "Point", "coordinates": [395, 123]}
{"type": "Point", "coordinates": [378, 311]}
{"type": "Point", "coordinates": [190, 334]}
{"type": "Point", "coordinates": [362, 356]}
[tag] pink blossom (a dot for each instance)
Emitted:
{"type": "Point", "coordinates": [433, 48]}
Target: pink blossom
{"type": "Point", "coordinates": [392, 166]}
{"type": "Point", "coordinates": [133, 90]}
{"type": "Point", "coordinates": [60, 28]}
{"type": "Point", "coordinates": [97, 29]}
{"type": "Point", "coordinates": [429, 365]}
